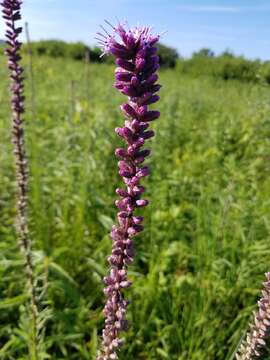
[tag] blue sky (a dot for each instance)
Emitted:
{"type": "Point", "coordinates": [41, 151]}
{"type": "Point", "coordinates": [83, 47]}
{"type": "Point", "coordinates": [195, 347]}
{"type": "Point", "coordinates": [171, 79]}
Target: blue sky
{"type": "Point", "coordinates": [240, 25]}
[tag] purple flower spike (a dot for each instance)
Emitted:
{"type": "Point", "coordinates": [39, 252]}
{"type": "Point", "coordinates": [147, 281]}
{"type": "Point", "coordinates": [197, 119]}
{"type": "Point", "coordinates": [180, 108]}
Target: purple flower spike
{"type": "Point", "coordinates": [259, 329]}
{"type": "Point", "coordinates": [11, 13]}
{"type": "Point", "coordinates": [135, 77]}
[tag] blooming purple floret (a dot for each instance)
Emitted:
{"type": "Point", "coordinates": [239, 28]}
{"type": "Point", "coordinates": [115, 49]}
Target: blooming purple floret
{"type": "Point", "coordinates": [135, 77]}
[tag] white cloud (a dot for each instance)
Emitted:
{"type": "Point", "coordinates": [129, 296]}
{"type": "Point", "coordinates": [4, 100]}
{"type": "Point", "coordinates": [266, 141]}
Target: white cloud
{"type": "Point", "coordinates": [208, 8]}
{"type": "Point", "coordinates": [222, 9]}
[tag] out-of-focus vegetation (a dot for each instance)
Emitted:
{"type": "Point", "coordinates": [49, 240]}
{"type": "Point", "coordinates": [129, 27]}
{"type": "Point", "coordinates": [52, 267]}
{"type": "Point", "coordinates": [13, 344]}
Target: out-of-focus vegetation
{"type": "Point", "coordinates": [168, 56]}
{"type": "Point", "coordinates": [225, 66]}
{"type": "Point", "coordinates": [62, 49]}
{"type": "Point", "coordinates": [201, 259]}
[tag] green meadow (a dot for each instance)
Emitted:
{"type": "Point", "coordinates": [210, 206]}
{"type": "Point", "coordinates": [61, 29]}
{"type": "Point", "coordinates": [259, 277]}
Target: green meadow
{"type": "Point", "coordinates": [201, 260]}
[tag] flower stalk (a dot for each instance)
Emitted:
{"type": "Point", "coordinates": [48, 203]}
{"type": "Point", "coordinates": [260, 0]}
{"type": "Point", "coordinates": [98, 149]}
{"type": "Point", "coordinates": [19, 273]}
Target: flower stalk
{"type": "Point", "coordinates": [255, 339]}
{"type": "Point", "coordinates": [135, 75]}
{"type": "Point", "coordinates": [11, 10]}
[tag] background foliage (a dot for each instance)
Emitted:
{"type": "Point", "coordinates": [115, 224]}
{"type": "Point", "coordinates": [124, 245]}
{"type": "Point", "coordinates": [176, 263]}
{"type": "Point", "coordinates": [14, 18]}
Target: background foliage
{"type": "Point", "coordinates": [201, 260]}
{"type": "Point", "coordinates": [203, 62]}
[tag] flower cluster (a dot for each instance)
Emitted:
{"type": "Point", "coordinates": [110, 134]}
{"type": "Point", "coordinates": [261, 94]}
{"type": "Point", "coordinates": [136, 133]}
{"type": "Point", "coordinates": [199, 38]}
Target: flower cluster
{"type": "Point", "coordinates": [259, 329]}
{"type": "Point", "coordinates": [135, 75]}
{"type": "Point", "coordinates": [11, 13]}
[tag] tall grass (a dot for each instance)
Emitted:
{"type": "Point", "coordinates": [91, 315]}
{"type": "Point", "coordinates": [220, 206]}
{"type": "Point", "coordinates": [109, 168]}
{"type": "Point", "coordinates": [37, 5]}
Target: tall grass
{"type": "Point", "coordinates": [200, 265]}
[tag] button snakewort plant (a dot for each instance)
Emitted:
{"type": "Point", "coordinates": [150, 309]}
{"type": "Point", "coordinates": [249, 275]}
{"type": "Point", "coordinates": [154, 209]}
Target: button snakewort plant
{"type": "Point", "coordinates": [255, 340]}
{"type": "Point", "coordinates": [137, 63]}
{"type": "Point", "coordinates": [11, 10]}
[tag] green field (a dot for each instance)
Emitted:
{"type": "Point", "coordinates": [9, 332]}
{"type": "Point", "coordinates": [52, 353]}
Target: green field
{"type": "Point", "coordinates": [206, 246]}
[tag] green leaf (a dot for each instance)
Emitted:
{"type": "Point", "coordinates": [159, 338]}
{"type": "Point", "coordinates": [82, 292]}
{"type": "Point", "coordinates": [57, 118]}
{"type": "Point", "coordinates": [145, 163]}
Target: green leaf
{"type": "Point", "coordinates": [10, 302]}
{"type": "Point", "coordinates": [106, 221]}
{"type": "Point", "coordinates": [62, 272]}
